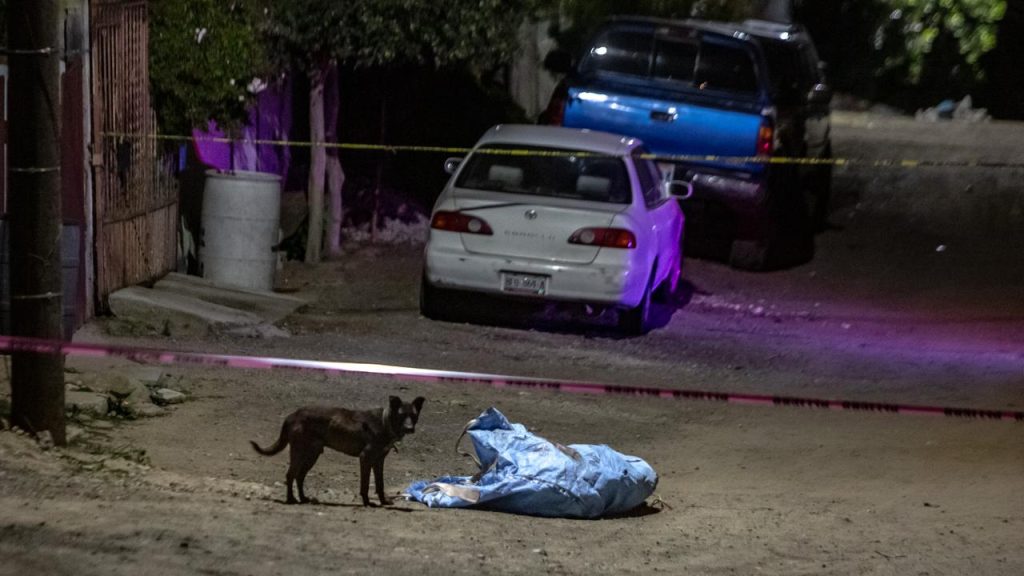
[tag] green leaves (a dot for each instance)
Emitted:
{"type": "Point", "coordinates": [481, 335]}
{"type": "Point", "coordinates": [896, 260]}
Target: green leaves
{"type": "Point", "coordinates": [920, 23]}
{"type": "Point", "coordinates": [476, 33]}
{"type": "Point", "coordinates": [203, 54]}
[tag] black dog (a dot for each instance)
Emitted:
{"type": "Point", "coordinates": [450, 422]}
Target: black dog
{"type": "Point", "coordinates": [368, 434]}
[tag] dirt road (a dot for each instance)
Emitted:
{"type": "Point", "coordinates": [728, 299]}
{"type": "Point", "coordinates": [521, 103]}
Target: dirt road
{"type": "Point", "coordinates": [882, 314]}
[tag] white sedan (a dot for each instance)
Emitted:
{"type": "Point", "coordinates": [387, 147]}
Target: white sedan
{"type": "Point", "coordinates": [555, 214]}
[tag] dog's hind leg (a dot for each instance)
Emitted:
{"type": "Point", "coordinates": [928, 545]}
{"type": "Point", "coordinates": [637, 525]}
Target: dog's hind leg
{"type": "Point", "coordinates": [289, 477]}
{"type": "Point", "coordinates": [311, 456]}
{"type": "Point", "coordinates": [301, 459]}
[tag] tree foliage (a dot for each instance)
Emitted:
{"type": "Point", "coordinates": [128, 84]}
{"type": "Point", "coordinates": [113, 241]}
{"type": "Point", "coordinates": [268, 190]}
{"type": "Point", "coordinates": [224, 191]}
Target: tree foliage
{"type": "Point", "coordinates": [908, 52]}
{"type": "Point", "coordinates": [923, 28]}
{"type": "Point", "coordinates": [363, 33]}
{"type": "Point", "coordinates": [203, 54]}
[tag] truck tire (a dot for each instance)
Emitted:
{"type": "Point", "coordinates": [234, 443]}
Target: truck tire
{"type": "Point", "coordinates": [821, 191]}
{"type": "Point", "coordinates": [787, 237]}
{"type": "Point", "coordinates": [748, 255]}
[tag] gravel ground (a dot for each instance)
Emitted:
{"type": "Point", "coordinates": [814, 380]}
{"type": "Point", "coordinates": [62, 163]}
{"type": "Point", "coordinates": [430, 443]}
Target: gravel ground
{"type": "Point", "coordinates": [881, 314]}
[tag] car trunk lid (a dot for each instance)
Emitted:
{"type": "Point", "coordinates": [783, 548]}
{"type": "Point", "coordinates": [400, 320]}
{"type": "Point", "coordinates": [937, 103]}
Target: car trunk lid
{"type": "Point", "coordinates": [527, 226]}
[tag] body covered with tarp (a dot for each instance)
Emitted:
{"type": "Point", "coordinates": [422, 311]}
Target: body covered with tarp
{"type": "Point", "coordinates": [523, 473]}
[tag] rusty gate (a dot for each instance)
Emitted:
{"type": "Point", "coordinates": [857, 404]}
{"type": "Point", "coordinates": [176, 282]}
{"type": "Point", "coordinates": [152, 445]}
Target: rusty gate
{"type": "Point", "coordinates": [136, 197]}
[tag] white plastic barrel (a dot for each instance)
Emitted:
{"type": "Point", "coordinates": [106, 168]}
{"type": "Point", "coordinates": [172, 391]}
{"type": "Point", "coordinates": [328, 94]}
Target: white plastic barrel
{"type": "Point", "coordinates": [241, 216]}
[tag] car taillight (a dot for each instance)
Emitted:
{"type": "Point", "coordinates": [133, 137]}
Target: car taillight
{"type": "Point", "coordinates": [604, 237]}
{"type": "Point", "coordinates": [765, 138]}
{"type": "Point", "coordinates": [459, 222]}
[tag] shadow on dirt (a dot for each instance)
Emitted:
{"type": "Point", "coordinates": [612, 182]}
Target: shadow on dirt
{"type": "Point", "coordinates": [563, 318]}
{"type": "Point", "coordinates": [640, 511]}
{"type": "Point", "coordinates": [314, 502]}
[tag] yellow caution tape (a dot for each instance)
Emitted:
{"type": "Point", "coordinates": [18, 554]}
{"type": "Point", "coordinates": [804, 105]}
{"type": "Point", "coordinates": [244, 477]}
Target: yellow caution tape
{"type": "Point", "coordinates": [393, 148]}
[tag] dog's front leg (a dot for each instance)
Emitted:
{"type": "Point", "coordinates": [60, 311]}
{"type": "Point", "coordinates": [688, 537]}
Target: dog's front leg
{"type": "Point", "coordinates": [364, 478]}
{"type": "Point", "coordinates": [378, 480]}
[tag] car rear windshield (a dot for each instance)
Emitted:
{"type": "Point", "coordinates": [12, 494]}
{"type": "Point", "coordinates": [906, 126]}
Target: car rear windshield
{"type": "Point", "coordinates": [681, 56]}
{"type": "Point", "coordinates": [552, 172]}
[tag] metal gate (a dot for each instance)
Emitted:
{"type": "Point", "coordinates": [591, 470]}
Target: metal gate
{"type": "Point", "coordinates": [136, 197]}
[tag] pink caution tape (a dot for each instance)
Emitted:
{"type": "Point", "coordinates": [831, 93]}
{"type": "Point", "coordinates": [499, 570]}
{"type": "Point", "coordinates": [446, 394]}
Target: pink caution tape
{"type": "Point", "coordinates": [10, 344]}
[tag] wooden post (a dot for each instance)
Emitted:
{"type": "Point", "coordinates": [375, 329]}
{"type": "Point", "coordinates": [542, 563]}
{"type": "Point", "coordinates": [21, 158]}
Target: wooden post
{"type": "Point", "coordinates": [37, 380]}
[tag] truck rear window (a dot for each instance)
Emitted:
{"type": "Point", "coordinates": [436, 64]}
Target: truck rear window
{"type": "Point", "coordinates": [546, 172]}
{"type": "Point", "coordinates": [706, 64]}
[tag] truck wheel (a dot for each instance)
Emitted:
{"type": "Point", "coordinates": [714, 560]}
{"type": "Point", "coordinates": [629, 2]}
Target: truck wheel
{"type": "Point", "coordinates": [821, 190]}
{"type": "Point", "coordinates": [787, 236]}
{"type": "Point", "coordinates": [748, 255]}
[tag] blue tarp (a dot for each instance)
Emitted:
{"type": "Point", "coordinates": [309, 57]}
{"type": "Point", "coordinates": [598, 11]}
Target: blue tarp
{"type": "Point", "coordinates": [526, 474]}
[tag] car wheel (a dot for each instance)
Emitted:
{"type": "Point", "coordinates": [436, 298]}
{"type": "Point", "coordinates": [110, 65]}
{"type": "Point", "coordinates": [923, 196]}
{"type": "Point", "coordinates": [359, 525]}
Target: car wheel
{"type": "Point", "coordinates": [434, 301]}
{"type": "Point", "coordinates": [636, 321]}
{"type": "Point", "coordinates": [670, 285]}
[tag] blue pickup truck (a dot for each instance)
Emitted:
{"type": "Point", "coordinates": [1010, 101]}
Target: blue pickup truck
{"type": "Point", "coordinates": [717, 102]}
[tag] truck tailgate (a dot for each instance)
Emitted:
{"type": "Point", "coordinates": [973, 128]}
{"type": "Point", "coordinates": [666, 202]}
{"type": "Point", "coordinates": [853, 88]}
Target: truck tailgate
{"type": "Point", "coordinates": [668, 126]}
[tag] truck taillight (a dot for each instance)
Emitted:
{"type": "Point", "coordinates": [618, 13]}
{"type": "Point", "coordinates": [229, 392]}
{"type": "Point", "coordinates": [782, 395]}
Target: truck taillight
{"type": "Point", "coordinates": [604, 237]}
{"type": "Point", "coordinates": [554, 114]}
{"type": "Point", "coordinates": [765, 138]}
{"type": "Point", "coordinates": [459, 222]}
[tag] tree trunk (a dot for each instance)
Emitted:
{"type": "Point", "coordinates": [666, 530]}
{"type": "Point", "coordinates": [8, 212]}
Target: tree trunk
{"type": "Point", "coordinates": [37, 380]}
{"type": "Point", "coordinates": [375, 217]}
{"type": "Point", "coordinates": [335, 174]}
{"type": "Point", "coordinates": [335, 182]}
{"type": "Point", "coordinates": [317, 167]}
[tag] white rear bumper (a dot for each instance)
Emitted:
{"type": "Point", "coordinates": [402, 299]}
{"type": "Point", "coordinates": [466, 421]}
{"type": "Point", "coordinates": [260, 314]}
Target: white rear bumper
{"type": "Point", "coordinates": [609, 280]}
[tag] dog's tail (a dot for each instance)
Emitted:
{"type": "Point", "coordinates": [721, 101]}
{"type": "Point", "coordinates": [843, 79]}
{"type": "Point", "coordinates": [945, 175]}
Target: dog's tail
{"type": "Point", "coordinates": [282, 441]}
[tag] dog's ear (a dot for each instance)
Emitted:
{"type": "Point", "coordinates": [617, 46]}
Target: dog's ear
{"type": "Point", "coordinates": [395, 403]}
{"type": "Point", "coordinates": [418, 403]}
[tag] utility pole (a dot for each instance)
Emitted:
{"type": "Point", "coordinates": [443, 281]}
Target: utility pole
{"type": "Point", "coordinates": [34, 51]}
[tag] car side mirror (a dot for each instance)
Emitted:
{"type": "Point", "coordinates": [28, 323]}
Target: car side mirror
{"type": "Point", "coordinates": [820, 94]}
{"type": "Point", "coordinates": [452, 164]}
{"type": "Point", "coordinates": [558, 61]}
{"type": "Point", "coordinates": [680, 189]}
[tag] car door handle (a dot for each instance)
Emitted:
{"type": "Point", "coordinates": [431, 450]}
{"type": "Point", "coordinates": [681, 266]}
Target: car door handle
{"type": "Point", "coordinates": [664, 116]}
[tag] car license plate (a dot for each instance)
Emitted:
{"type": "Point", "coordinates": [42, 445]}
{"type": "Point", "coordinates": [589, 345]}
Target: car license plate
{"type": "Point", "coordinates": [524, 283]}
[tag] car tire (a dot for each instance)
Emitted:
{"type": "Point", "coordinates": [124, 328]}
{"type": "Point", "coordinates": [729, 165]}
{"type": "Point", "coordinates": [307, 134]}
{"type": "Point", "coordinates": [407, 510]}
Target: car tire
{"type": "Point", "coordinates": [636, 321]}
{"type": "Point", "coordinates": [668, 288]}
{"type": "Point", "coordinates": [435, 303]}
